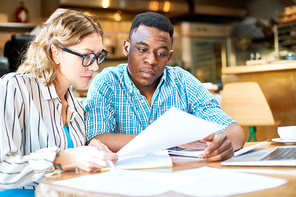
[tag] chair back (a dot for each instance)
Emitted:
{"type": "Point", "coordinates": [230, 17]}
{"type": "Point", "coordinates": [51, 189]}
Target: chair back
{"type": "Point", "coordinates": [246, 103]}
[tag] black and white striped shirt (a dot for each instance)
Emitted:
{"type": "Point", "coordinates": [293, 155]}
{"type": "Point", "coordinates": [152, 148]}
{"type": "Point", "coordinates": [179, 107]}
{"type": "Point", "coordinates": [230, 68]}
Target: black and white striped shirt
{"type": "Point", "coordinates": [31, 129]}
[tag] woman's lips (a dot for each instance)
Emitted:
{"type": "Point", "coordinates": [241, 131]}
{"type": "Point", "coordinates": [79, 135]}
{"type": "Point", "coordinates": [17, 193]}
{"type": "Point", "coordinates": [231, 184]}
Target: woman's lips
{"type": "Point", "coordinates": [88, 77]}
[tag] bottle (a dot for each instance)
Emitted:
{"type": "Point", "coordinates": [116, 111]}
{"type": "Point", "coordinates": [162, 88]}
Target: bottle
{"type": "Point", "coordinates": [258, 56]}
{"type": "Point", "coordinates": [21, 14]}
{"type": "Point", "coordinates": [252, 56]}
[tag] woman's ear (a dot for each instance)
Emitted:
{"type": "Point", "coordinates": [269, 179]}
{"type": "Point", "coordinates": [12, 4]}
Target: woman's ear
{"type": "Point", "coordinates": [55, 54]}
{"type": "Point", "coordinates": [126, 46]}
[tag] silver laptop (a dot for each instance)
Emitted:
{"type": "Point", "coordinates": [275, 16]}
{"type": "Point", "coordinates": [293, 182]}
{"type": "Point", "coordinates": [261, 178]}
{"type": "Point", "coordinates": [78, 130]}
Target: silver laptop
{"type": "Point", "coordinates": [273, 156]}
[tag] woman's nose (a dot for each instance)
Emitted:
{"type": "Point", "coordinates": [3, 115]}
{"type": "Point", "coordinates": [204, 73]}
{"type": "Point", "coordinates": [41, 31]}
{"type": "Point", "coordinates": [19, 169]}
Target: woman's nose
{"type": "Point", "coordinates": [94, 66]}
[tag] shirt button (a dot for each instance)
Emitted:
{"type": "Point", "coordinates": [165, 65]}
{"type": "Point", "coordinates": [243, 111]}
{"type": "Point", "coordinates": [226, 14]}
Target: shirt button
{"type": "Point", "coordinates": [151, 121]}
{"type": "Point", "coordinates": [142, 101]}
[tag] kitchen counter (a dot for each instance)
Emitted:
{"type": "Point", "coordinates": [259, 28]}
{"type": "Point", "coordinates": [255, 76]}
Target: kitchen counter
{"type": "Point", "coordinates": [274, 66]}
{"type": "Point", "coordinates": [278, 83]}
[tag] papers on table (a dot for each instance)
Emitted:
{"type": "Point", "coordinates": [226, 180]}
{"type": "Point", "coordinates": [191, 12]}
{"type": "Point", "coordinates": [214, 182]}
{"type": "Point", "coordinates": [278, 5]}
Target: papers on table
{"type": "Point", "coordinates": [159, 159]}
{"type": "Point", "coordinates": [173, 128]}
{"type": "Point", "coordinates": [249, 148]}
{"type": "Point", "coordinates": [130, 182]}
{"type": "Point", "coordinates": [204, 181]}
{"type": "Point", "coordinates": [196, 153]}
{"type": "Point", "coordinates": [217, 182]}
{"type": "Point", "coordinates": [186, 152]}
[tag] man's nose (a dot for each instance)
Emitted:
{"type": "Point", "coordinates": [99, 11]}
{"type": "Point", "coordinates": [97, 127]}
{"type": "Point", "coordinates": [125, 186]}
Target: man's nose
{"type": "Point", "coordinates": [151, 58]}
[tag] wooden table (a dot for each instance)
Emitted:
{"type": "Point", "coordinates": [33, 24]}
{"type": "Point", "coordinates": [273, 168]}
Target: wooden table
{"type": "Point", "coordinates": [45, 188]}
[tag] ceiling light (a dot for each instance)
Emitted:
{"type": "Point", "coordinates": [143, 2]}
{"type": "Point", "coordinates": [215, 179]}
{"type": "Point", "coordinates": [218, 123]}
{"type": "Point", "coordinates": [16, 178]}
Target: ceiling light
{"type": "Point", "coordinates": [166, 6]}
{"type": "Point", "coordinates": [105, 3]}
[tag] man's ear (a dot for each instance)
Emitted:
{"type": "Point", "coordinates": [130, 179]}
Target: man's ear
{"type": "Point", "coordinates": [55, 54]}
{"type": "Point", "coordinates": [170, 55]}
{"type": "Point", "coordinates": [126, 46]}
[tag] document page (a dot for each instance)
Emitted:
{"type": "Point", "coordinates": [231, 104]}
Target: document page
{"type": "Point", "coordinates": [159, 159]}
{"type": "Point", "coordinates": [196, 153]}
{"type": "Point", "coordinates": [221, 182]}
{"type": "Point", "coordinates": [187, 152]}
{"type": "Point", "coordinates": [129, 183]}
{"type": "Point", "coordinates": [173, 128]}
{"type": "Point", "coordinates": [249, 148]}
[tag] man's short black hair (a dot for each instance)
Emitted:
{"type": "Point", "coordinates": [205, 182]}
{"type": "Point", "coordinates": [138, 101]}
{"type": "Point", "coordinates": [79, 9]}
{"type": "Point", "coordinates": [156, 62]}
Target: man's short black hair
{"type": "Point", "coordinates": [152, 19]}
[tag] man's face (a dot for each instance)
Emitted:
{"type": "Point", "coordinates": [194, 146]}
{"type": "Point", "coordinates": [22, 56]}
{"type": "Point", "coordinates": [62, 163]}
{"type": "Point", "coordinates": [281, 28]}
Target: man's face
{"type": "Point", "coordinates": [148, 53]}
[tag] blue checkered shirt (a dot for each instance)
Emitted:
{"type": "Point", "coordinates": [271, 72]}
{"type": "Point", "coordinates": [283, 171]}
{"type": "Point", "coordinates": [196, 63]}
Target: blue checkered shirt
{"type": "Point", "coordinates": [115, 105]}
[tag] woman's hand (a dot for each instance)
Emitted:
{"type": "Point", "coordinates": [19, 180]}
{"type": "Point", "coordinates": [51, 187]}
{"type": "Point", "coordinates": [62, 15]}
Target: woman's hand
{"type": "Point", "coordinates": [98, 144]}
{"type": "Point", "coordinates": [87, 158]}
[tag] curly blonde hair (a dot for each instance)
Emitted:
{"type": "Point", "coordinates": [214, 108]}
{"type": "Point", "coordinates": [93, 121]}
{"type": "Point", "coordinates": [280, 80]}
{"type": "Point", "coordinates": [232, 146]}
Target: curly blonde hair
{"type": "Point", "coordinates": [64, 28]}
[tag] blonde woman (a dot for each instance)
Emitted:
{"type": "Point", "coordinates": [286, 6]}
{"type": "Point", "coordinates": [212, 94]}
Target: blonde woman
{"type": "Point", "coordinates": [42, 125]}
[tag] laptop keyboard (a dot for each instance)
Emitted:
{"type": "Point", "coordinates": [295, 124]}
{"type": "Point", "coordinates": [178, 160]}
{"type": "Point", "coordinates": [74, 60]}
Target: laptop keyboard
{"type": "Point", "coordinates": [282, 153]}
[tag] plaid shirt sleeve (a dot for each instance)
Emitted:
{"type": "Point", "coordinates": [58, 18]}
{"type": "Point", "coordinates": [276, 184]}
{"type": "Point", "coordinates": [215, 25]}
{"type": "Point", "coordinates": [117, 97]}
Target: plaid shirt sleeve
{"type": "Point", "coordinates": [99, 111]}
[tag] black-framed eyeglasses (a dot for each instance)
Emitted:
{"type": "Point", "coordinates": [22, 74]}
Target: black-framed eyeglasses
{"type": "Point", "coordinates": [88, 58]}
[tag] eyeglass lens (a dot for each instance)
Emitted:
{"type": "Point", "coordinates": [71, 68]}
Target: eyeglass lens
{"type": "Point", "coordinates": [90, 58]}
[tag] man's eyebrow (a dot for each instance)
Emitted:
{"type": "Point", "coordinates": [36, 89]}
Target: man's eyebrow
{"type": "Point", "coordinates": [142, 43]}
{"type": "Point", "coordinates": [145, 44]}
{"type": "Point", "coordinates": [164, 47]}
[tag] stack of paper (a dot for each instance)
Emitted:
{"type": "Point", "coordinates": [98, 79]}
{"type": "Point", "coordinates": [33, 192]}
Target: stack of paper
{"type": "Point", "coordinates": [196, 153]}
{"type": "Point", "coordinates": [173, 128]}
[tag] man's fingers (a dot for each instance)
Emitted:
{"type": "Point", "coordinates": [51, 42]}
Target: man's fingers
{"type": "Point", "coordinates": [219, 148]}
{"type": "Point", "coordinates": [208, 138]}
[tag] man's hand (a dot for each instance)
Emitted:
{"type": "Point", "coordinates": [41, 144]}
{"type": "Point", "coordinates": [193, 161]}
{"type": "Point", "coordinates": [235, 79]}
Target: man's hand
{"type": "Point", "coordinates": [219, 147]}
{"type": "Point", "coordinates": [216, 147]}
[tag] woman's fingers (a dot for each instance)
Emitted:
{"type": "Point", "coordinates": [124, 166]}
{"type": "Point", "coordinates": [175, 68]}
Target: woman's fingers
{"type": "Point", "coordinates": [90, 158]}
{"type": "Point", "coordinates": [98, 144]}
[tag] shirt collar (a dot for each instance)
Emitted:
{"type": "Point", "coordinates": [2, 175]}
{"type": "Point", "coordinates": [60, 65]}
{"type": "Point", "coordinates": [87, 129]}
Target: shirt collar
{"type": "Point", "coordinates": [127, 80]}
{"type": "Point", "coordinates": [48, 93]}
{"type": "Point", "coordinates": [163, 77]}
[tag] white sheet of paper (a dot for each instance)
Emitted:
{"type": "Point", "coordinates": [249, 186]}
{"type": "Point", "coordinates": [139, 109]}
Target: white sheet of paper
{"type": "Point", "coordinates": [187, 153]}
{"type": "Point", "coordinates": [249, 148]}
{"type": "Point", "coordinates": [130, 182]}
{"type": "Point", "coordinates": [173, 128]}
{"type": "Point", "coordinates": [196, 153]}
{"type": "Point", "coordinates": [159, 159]}
{"type": "Point", "coordinates": [218, 182]}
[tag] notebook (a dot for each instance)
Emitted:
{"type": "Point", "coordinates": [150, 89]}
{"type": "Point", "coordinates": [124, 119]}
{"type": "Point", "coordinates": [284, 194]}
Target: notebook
{"type": "Point", "coordinates": [272, 156]}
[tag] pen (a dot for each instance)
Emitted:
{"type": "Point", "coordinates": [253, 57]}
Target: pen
{"type": "Point", "coordinates": [110, 162]}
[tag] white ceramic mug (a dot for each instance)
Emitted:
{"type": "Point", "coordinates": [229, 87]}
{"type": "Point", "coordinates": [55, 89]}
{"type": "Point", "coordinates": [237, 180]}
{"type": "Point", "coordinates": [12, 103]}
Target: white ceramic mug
{"type": "Point", "coordinates": [287, 132]}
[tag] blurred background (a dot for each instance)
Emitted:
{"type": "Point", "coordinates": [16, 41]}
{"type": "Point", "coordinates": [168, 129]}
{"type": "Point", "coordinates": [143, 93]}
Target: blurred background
{"type": "Point", "coordinates": [218, 41]}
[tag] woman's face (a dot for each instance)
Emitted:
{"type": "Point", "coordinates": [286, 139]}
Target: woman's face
{"type": "Point", "coordinates": [71, 71]}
